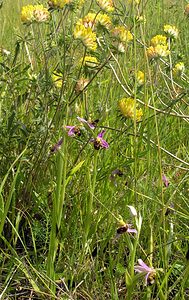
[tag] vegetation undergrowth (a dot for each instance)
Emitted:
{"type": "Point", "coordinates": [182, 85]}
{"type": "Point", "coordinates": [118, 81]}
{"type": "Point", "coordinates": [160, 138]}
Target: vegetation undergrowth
{"type": "Point", "coordinates": [94, 150]}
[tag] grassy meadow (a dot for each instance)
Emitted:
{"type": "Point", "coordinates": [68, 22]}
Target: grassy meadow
{"type": "Point", "coordinates": [94, 151]}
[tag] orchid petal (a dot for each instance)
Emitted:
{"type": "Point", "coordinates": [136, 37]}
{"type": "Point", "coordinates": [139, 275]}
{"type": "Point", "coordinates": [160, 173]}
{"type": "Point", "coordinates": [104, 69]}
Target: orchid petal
{"type": "Point", "coordinates": [146, 278]}
{"type": "Point", "coordinates": [71, 130]}
{"type": "Point", "coordinates": [129, 230]}
{"type": "Point", "coordinates": [86, 122]}
{"type": "Point", "coordinates": [104, 144]}
{"type": "Point", "coordinates": [101, 134]}
{"type": "Point", "coordinates": [144, 266]}
{"type": "Point", "coordinates": [165, 180]}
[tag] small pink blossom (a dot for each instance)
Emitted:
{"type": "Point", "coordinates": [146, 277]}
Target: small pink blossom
{"type": "Point", "coordinates": [149, 272]}
{"type": "Point", "coordinates": [73, 130]}
{"type": "Point", "coordinates": [165, 180]}
{"type": "Point", "coordinates": [99, 142]}
{"type": "Point", "coordinates": [86, 122]}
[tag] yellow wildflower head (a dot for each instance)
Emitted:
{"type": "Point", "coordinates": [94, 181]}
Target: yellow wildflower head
{"type": "Point", "coordinates": [179, 69]}
{"type": "Point", "coordinates": [106, 5]}
{"type": "Point", "coordinates": [62, 3]}
{"type": "Point", "coordinates": [157, 51]}
{"type": "Point", "coordinates": [89, 61]}
{"type": "Point", "coordinates": [86, 35]}
{"type": "Point", "coordinates": [57, 3]}
{"type": "Point", "coordinates": [104, 20]}
{"type": "Point", "coordinates": [57, 79]}
{"type": "Point", "coordinates": [122, 34]}
{"type": "Point", "coordinates": [88, 21]}
{"type": "Point", "coordinates": [34, 13]}
{"type": "Point", "coordinates": [159, 40]}
{"type": "Point", "coordinates": [128, 108]}
{"type": "Point", "coordinates": [171, 31]}
{"type": "Point", "coordinates": [92, 20]}
{"type": "Point", "coordinates": [140, 78]}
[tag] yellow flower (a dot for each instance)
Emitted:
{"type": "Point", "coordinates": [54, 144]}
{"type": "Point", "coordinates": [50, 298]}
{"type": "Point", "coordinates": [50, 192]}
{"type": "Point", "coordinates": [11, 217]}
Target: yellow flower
{"type": "Point", "coordinates": [86, 35]}
{"type": "Point", "coordinates": [92, 19]}
{"type": "Point", "coordinates": [89, 61]}
{"type": "Point", "coordinates": [157, 51]}
{"type": "Point", "coordinates": [57, 79]}
{"type": "Point", "coordinates": [27, 14]}
{"type": "Point", "coordinates": [34, 13]}
{"type": "Point", "coordinates": [122, 34]}
{"type": "Point", "coordinates": [88, 21]}
{"type": "Point", "coordinates": [151, 52]}
{"type": "Point", "coordinates": [159, 40]}
{"type": "Point", "coordinates": [61, 3]}
{"type": "Point", "coordinates": [140, 78]}
{"type": "Point", "coordinates": [179, 69]}
{"type": "Point", "coordinates": [106, 5]}
{"type": "Point", "coordinates": [104, 20]}
{"type": "Point", "coordinates": [57, 3]}
{"type": "Point", "coordinates": [171, 31]}
{"type": "Point", "coordinates": [128, 108]}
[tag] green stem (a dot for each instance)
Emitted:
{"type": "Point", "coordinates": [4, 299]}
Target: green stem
{"type": "Point", "coordinates": [89, 205]}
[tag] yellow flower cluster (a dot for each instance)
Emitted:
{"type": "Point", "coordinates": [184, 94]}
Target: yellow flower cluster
{"type": "Point", "coordinates": [85, 27]}
{"type": "Point", "coordinates": [57, 3]}
{"type": "Point", "coordinates": [140, 78]}
{"type": "Point", "coordinates": [88, 21]}
{"type": "Point", "coordinates": [61, 3]}
{"type": "Point", "coordinates": [57, 79]}
{"type": "Point", "coordinates": [89, 61]}
{"type": "Point", "coordinates": [92, 20]}
{"type": "Point", "coordinates": [106, 5]}
{"type": "Point", "coordinates": [122, 34]}
{"type": "Point", "coordinates": [86, 35]}
{"type": "Point", "coordinates": [104, 20]}
{"type": "Point", "coordinates": [159, 47]}
{"type": "Point", "coordinates": [34, 13]}
{"type": "Point", "coordinates": [171, 31]}
{"type": "Point", "coordinates": [159, 40]}
{"type": "Point", "coordinates": [128, 108]}
{"type": "Point", "coordinates": [179, 69]}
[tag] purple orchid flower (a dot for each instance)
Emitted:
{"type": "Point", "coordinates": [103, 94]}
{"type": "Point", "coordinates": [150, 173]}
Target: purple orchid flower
{"type": "Point", "coordinates": [99, 142]}
{"type": "Point", "coordinates": [165, 180]}
{"type": "Point", "coordinates": [126, 228]}
{"type": "Point", "coordinates": [86, 122]}
{"type": "Point", "coordinates": [57, 146]}
{"type": "Point", "coordinates": [149, 272]}
{"type": "Point", "coordinates": [73, 130]}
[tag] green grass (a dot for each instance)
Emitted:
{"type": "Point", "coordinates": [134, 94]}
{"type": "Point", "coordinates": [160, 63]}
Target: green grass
{"type": "Point", "coordinates": [61, 205]}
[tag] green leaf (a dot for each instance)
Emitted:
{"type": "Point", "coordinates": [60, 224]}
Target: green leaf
{"type": "Point", "coordinates": [120, 269]}
{"type": "Point", "coordinates": [74, 170]}
{"type": "Point", "coordinates": [128, 278]}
